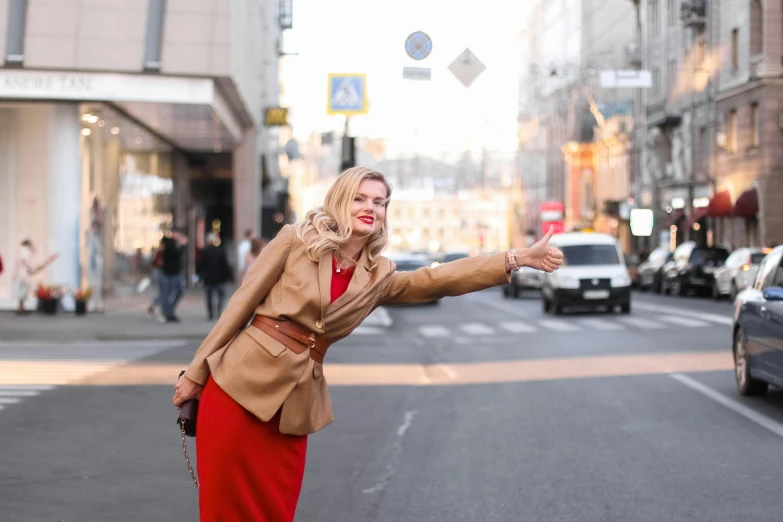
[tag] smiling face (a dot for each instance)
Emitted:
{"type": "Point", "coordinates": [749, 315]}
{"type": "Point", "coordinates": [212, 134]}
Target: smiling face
{"type": "Point", "coordinates": [368, 209]}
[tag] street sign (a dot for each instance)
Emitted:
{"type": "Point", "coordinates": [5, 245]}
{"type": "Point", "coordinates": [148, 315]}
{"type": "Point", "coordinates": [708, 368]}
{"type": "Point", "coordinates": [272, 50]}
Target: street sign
{"type": "Point", "coordinates": [416, 73]}
{"type": "Point", "coordinates": [467, 67]}
{"type": "Point", "coordinates": [347, 94]}
{"type": "Point", "coordinates": [418, 45]}
{"type": "Point", "coordinates": [641, 221]}
{"type": "Point", "coordinates": [626, 79]}
{"type": "Point", "coordinates": [276, 117]}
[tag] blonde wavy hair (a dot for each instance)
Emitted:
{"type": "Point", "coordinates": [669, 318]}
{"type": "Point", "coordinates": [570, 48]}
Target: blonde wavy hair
{"type": "Point", "coordinates": [332, 222]}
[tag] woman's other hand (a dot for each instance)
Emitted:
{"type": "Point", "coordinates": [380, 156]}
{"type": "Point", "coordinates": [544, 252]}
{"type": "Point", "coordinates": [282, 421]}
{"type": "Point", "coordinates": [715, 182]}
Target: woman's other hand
{"type": "Point", "coordinates": [542, 256]}
{"type": "Point", "coordinates": [185, 389]}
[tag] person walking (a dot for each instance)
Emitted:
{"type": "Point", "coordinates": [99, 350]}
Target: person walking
{"type": "Point", "coordinates": [242, 249]}
{"type": "Point", "coordinates": [214, 272]}
{"type": "Point", "coordinates": [261, 384]}
{"type": "Point", "coordinates": [171, 285]}
{"type": "Point", "coordinates": [24, 270]}
{"type": "Point", "coordinates": [252, 255]}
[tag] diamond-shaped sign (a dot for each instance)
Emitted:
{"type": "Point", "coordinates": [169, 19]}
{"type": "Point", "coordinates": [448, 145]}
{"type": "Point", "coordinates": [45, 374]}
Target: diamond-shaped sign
{"type": "Point", "coordinates": [466, 67]}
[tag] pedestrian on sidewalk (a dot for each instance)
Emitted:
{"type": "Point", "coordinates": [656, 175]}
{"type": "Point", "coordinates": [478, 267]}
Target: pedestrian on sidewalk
{"type": "Point", "coordinates": [24, 270]}
{"type": "Point", "coordinates": [261, 385]}
{"type": "Point", "coordinates": [242, 249]}
{"type": "Point", "coordinates": [214, 271]}
{"type": "Point", "coordinates": [252, 255]}
{"type": "Point", "coordinates": [171, 282]}
{"type": "Point", "coordinates": [157, 264]}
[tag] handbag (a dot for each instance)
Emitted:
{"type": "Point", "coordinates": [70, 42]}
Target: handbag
{"type": "Point", "coordinates": [186, 419]}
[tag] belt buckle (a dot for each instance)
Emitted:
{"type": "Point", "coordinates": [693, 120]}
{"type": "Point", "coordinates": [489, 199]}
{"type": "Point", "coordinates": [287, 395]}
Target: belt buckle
{"type": "Point", "coordinates": [312, 338]}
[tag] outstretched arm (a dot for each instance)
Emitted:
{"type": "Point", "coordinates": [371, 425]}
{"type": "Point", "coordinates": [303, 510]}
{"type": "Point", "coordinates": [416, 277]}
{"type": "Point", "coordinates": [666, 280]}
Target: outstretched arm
{"type": "Point", "coordinates": [466, 275]}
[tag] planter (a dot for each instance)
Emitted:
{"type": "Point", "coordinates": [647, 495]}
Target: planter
{"type": "Point", "coordinates": [49, 306]}
{"type": "Point", "coordinates": [81, 308]}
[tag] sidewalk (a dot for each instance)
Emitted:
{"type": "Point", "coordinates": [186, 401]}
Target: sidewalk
{"type": "Point", "coordinates": [126, 319]}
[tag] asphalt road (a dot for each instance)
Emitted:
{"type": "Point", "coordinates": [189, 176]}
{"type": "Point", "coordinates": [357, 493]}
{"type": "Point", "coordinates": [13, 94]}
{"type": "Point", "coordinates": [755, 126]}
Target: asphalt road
{"type": "Point", "coordinates": [586, 417]}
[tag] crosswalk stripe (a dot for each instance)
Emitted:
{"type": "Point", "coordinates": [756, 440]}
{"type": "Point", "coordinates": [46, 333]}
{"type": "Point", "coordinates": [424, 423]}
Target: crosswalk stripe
{"type": "Point", "coordinates": [518, 327]}
{"type": "Point", "coordinates": [683, 321]}
{"type": "Point", "coordinates": [9, 400]}
{"type": "Point", "coordinates": [434, 330]}
{"type": "Point", "coordinates": [18, 393]}
{"type": "Point", "coordinates": [558, 325]}
{"type": "Point", "coordinates": [477, 329]}
{"type": "Point", "coordinates": [642, 323]}
{"type": "Point", "coordinates": [601, 324]}
{"type": "Point", "coordinates": [35, 387]}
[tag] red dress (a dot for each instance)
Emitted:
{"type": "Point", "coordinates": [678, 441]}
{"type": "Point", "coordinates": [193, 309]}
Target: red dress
{"type": "Point", "coordinates": [248, 470]}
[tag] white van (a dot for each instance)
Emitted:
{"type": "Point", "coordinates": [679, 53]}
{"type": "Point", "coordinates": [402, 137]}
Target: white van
{"type": "Point", "coordinates": [593, 274]}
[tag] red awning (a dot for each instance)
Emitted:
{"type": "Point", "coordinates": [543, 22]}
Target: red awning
{"type": "Point", "coordinates": [720, 205]}
{"type": "Point", "coordinates": [747, 204]}
{"type": "Point", "coordinates": [673, 217]}
{"type": "Point", "coordinates": [698, 214]}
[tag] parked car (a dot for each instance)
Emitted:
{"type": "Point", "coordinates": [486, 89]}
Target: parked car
{"type": "Point", "coordinates": [738, 272]}
{"type": "Point", "coordinates": [758, 329]}
{"type": "Point", "coordinates": [593, 274]}
{"type": "Point", "coordinates": [632, 262]}
{"type": "Point", "coordinates": [692, 268]}
{"type": "Point", "coordinates": [650, 270]}
{"type": "Point", "coordinates": [525, 279]}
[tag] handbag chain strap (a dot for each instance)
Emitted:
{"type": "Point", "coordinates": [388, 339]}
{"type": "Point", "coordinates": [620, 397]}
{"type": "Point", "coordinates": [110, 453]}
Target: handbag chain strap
{"type": "Point", "coordinates": [185, 451]}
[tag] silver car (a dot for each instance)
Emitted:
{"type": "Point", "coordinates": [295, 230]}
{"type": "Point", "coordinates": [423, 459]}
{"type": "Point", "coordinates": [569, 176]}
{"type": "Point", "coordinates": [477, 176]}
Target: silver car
{"type": "Point", "coordinates": [738, 272]}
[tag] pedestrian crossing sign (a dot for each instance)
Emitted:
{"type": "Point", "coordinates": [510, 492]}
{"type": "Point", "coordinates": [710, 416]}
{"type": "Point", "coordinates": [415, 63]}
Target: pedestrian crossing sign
{"type": "Point", "coordinates": [347, 94]}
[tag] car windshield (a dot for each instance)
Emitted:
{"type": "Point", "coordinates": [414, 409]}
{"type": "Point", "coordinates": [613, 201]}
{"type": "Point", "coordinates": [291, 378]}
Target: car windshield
{"type": "Point", "coordinates": [757, 257]}
{"type": "Point", "coordinates": [409, 265]}
{"type": "Point", "coordinates": [703, 255]}
{"type": "Point", "coordinates": [578, 255]}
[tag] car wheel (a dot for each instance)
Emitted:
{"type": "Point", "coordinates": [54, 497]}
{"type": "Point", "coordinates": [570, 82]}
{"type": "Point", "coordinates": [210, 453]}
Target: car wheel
{"type": "Point", "coordinates": [657, 284]}
{"type": "Point", "coordinates": [676, 287]}
{"type": "Point", "coordinates": [733, 292]}
{"type": "Point", "coordinates": [505, 289]}
{"type": "Point", "coordinates": [746, 384]}
{"type": "Point", "coordinates": [625, 308]}
{"type": "Point", "coordinates": [515, 292]}
{"type": "Point", "coordinates": [546, 304]}
{"type": "Point", "coordinates": [557, 308]}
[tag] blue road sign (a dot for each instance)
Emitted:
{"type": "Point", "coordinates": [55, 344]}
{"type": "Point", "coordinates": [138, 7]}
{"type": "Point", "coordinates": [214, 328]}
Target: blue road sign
{"type": "Point", "coordinates": [347, 94]}
{"type": "Point", "coordinates": [418, 45]}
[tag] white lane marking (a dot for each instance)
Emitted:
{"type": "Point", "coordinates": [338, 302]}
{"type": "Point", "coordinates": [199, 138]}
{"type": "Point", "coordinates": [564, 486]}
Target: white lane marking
{"type": "Point", "coordinates": [391, 466]}
{"type": "Point", "coordinates": [558, 325]}
{"type": "Point", "coordinates": [683, 321]}
{"type": "Point", "coordinates": [518, 327]}
{"type": "Point", "coordinates": [36, 387]}
{"type": "Point", "coordinates": [642, 323]}
{"type": "Point", "coordinates": [448, 371]}
{"type": "Point", "coordinates": [18, 393]}
{"type": "Point", "coordinates": [600, 324]}
{"type": "Point", "coordinates": [9, 400]}
{"type": "Point", "coordinates": [434, 330]}
{"type": "Point", "coordinates": [735, 406]}
{"type": "Point", "coordinates": [477, 329]}
{"type": "Point", "coordinates": [713, 318]}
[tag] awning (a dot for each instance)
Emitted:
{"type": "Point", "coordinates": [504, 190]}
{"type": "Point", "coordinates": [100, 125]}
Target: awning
{"type": "Point", "coordinates": [747, 204]}
{"type": "Point", "coordinates": [673, 217]}
{"type": "Point", "coordinates": [698, 214]}
{"type": "Point", "coordinates": [720, 205]}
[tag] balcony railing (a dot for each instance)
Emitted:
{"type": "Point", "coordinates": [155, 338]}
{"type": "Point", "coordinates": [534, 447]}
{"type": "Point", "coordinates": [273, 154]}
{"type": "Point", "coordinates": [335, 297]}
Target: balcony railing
{"type": "Point", "coordinates": [693, 13]}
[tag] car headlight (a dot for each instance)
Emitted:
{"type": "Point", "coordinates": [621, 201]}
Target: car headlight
{"type": "Point", "coordinates": [565, 281]}
{"type": "Point", "coordinates": [621, 280]}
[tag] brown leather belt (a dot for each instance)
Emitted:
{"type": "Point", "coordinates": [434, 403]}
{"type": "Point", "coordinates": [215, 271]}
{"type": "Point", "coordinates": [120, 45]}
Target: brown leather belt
{"type": "Point", "coordinates": [293, 337]}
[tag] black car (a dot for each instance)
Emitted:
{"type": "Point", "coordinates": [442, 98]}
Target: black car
{"type": "Point", "coordinates": [692, 268]}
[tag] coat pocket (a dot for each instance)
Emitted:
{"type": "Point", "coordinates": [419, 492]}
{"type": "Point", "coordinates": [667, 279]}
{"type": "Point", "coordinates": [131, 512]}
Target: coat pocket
{"type": "Point", "coordinates": [271, 345]}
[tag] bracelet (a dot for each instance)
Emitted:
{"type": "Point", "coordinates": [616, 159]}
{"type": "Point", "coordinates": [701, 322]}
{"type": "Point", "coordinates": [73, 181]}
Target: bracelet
{"type": "Point", "coordinates": [513, 260]}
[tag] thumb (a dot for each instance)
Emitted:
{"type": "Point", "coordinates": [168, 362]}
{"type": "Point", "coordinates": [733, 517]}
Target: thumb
{"type": "Point", "coordinates": [548, 235]}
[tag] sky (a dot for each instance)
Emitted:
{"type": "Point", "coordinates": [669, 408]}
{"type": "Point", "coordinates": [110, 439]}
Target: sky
{"type": "Point", "coordinates": [415, 117]}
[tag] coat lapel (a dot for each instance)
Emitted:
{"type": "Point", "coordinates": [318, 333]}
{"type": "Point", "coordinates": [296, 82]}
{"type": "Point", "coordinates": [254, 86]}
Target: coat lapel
{"type": "Point", "coordinates": [360, 279]}
{"type": "Point", "coordinates": [325, 281]}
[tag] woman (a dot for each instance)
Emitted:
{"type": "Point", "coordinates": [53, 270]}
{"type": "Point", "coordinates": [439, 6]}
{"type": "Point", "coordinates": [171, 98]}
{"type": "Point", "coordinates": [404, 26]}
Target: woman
{"type": "Point", "coordinates": [261, 386]}
{"type": "Point", "coordinates": [252, 255]}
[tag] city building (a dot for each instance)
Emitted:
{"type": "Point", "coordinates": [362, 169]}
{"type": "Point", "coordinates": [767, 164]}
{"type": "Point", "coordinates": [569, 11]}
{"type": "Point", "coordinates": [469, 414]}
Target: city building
{"type": "Point", "coordinates": [120, 119]}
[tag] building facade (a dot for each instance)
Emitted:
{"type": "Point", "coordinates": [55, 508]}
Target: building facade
{"type": "Point", "coordinates": [119, 117]}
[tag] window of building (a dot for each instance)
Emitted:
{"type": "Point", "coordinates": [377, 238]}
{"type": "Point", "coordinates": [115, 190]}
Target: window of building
{"type": "Point", "coordinates": [731, 131]}
{"type": "Point", "coordinates": [671, 74]}
{"type": "Point", "coordinates": [754, 125]}
{"type": "Point", "coordinates": [14, 38]}
{"type": "Point", "coordinates": [756, 28]}
{"type": "Point", "coordinates": [735, 49]}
